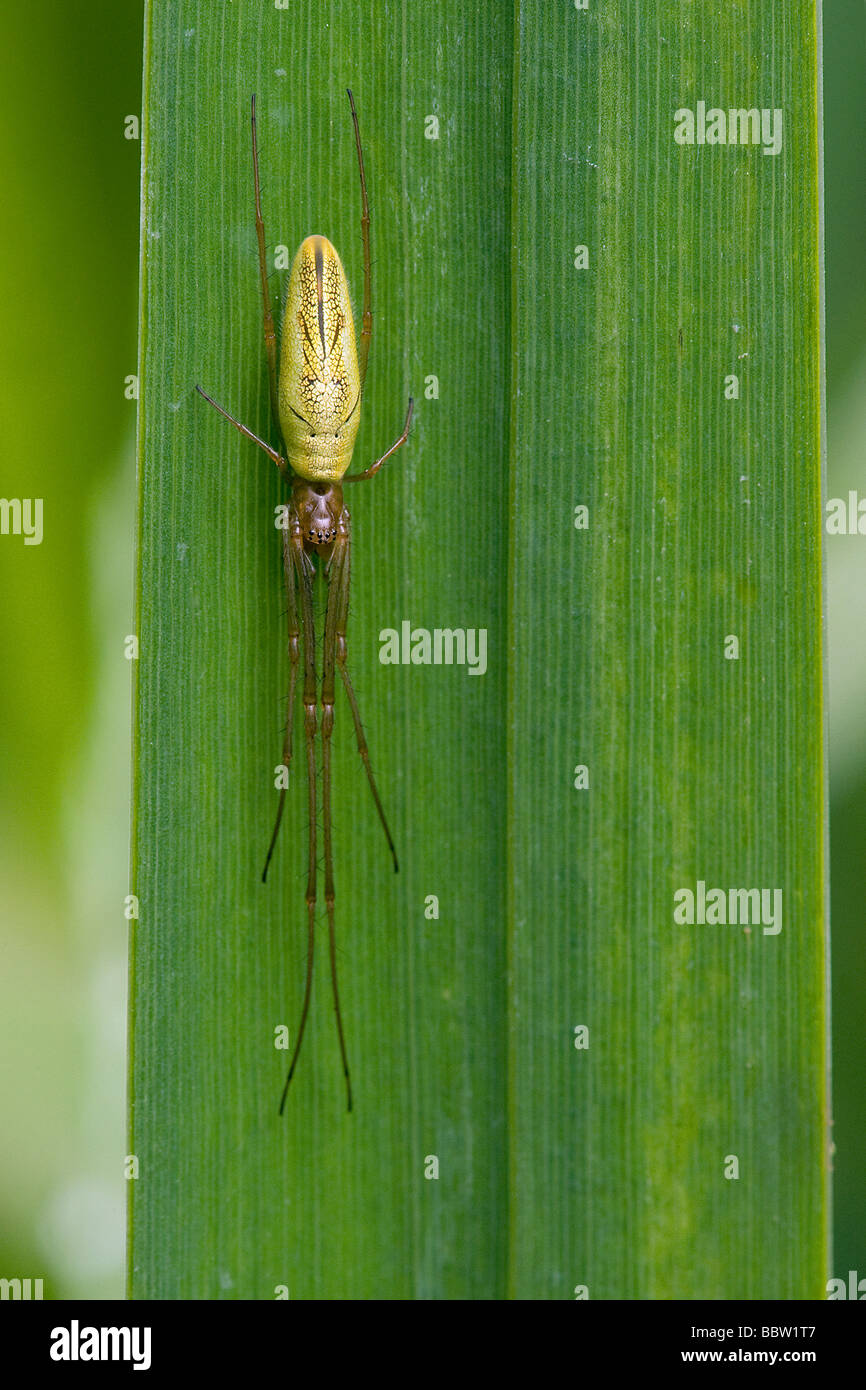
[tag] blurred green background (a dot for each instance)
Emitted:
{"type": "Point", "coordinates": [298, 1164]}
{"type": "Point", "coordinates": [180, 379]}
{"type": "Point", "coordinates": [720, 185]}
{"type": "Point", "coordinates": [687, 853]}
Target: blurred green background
{"type": "Point", "coordinates": [69, 75]}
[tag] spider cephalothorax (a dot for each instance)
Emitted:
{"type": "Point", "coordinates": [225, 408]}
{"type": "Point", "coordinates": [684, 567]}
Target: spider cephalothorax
{"type": "Point", "coordinates": [319, 507]}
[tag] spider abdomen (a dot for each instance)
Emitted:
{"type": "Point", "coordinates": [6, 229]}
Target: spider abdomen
{"type": "Point", "coordinates": [319, 381]}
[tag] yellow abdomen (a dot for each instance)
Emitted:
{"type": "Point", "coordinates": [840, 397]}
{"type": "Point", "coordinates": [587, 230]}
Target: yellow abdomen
{"type": "Point", "coordinates": [319, 386]}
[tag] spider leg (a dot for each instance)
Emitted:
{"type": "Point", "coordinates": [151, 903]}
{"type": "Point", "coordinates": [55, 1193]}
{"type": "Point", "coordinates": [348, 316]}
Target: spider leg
{"type": "Point", "coordinates": [294, 659]}
{"type": "Point", "coordinates": [338, 580]}
{"type": "Point", "coordinates": [341, 654]}
{"type": "Point", "coordinates": [374, 467]}
{"type": "Point", "coordinates": [367, 318]}
{"type": "Point", "coordinates": [271, 453]}
{"type": "Point", "coordinates": [305, 585]}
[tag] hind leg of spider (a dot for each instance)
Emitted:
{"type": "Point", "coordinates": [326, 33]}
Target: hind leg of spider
{"type": "Point", "coordinates": [338, 560]}
{"type": "Point", "coordinates": [294, 659]}
{"type": "Point", "coordinates": [305, 586]}
{"type": "Point", "coordinates": [341, 585]}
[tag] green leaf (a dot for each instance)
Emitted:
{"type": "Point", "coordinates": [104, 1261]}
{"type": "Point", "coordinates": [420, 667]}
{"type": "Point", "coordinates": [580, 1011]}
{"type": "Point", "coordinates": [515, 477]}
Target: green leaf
{"type": "Point", "coordinates": [705, 522]}
{"type": "Point", "coordinates": [539, 387]}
